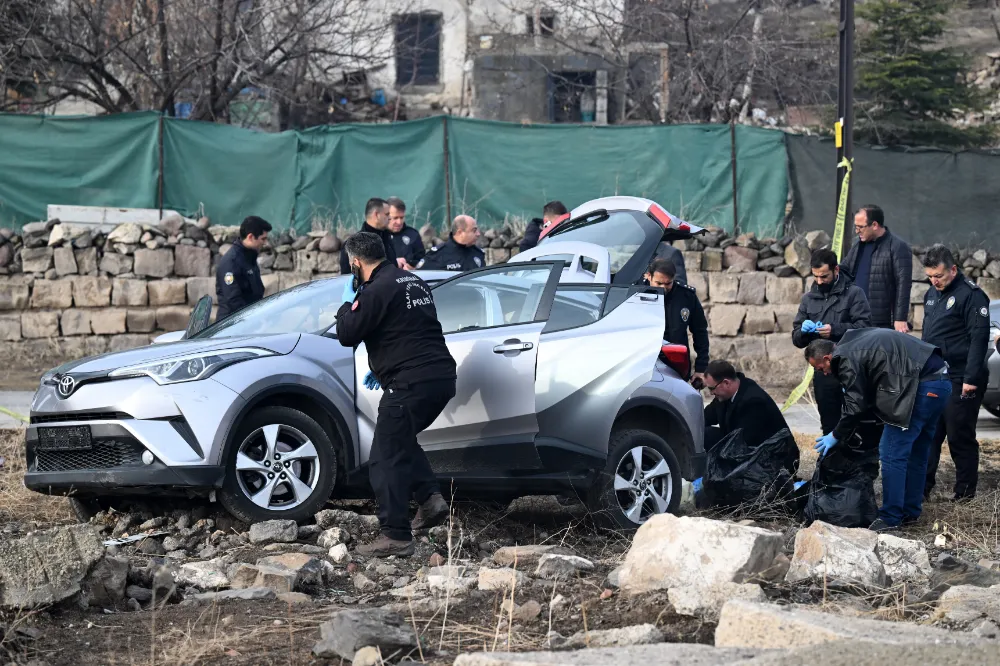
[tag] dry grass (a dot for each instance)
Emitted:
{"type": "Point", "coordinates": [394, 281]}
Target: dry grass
{"type": "Point", "coordinates": [17, 503]}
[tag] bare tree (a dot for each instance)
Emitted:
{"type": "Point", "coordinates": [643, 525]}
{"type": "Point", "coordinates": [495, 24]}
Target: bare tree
{"type": "Point", "coordinates": [130, 55]}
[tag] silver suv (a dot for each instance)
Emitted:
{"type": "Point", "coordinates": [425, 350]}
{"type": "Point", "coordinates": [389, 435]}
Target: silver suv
{"type": "Point", "coordinates": [565, 385]}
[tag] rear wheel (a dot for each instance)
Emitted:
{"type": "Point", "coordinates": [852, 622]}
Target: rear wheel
{"type": "Point", "coordinates": [642, 479]}
{"type": "Point", "coordinates": [993, 409]}
{"type": "Point", "coordinates": [282, 465]}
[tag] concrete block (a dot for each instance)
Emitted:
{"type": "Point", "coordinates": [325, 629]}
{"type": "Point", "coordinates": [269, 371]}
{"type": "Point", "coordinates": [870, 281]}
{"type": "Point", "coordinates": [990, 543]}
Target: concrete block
{"type": "Point", "coordinates": [108, 321]}
{"type": "Point", "coordinates": [39, 324]}
{"type": "Point", "coordinates": [753, 287]}
{"type": "Point", "coordinates": [10, 327]}
{"type": "Point", "coordinates": [140, 321]}
{"type": "Point", "coordinates": [200, 286]}
{"type": "Point", "coordinates": [75, 322]}
{"type": "Point", "coordinates": [154, 263]}
{"type": "Point", "coordinates": [14, 296]}
{"type": "Point", "coordinates": [172, 318]}
{"type": "Point", "coordinates": [726, 320]}
{"type": "Point", "coordinates": [129, 292]}
{"type": "Point", "coordinates": [167, 292]}
{"type": "Point", "coordinates": [91, 292]}
{"type": "Point", "coordinates": [52, 294]}
{"type": "Point", "coordinates": [723, 287]}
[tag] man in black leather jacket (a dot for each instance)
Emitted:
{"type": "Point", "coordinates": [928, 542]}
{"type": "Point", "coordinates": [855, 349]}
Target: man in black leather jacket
{"type": "Point", "coordinates": [905, 382]}
{"type": "Point", "coordinates": [554, 211]}
{"type": "Point", "coordinates": [882, 265]}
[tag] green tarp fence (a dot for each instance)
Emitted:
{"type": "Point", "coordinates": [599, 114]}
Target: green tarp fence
{"type": "Point", "coordinates": [929, 196]}
{"type": "Point", "coordinates": [441, 166]}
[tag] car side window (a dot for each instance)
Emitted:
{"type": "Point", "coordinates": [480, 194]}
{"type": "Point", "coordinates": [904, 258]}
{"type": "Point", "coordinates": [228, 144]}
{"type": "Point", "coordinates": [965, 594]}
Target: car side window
{"type": "Point", "coordinates": [495, 298]}
{"type": "Point", "coordinates": [578, 305]}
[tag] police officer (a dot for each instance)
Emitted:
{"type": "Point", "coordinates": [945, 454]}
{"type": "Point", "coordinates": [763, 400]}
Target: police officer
{"type": "Point", "coordinates": [553, 212]}
{"type": "Point", "coordinates": [683, 312]}
{"type": "Point", "coordinates": [376, 222]}
{"type": "Point", "coordinates": [957, 319]}
{"type": "Point", "coordinates": [393, 313]}
{"type": "Point", "coordinates": [406, 241]}
{"type": "Point", "coordinates": [237, 278]}
{"type": "Point", "coordinates": [460, 252]}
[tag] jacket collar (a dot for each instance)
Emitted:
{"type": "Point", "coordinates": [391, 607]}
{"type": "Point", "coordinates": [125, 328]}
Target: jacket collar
{"type": "Point", "coordinates": [378, 269]}
{"type": "Point", "coordinates": [251, 255]}
{"type": "Point", "coordinates": [959, 278]}
{"type": "Point", "coordinates": [464, 248]}
{"type": "Point", "coordinates": [839, 287]}
{"type": "Point", "coordinates": [372, 230]}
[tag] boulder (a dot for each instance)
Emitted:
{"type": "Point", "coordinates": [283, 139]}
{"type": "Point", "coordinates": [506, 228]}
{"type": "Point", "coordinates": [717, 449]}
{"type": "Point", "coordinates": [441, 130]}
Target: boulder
{"type": "Point", "coordinates": [526, 556]}
{"type": "Point", "coordinates": [10, 327]}
{"type": "Point", "coordinates": [14, 296]}
{"type": "Point", "coordinates": [333, 536]}
{"type": "Point", "coordinates": [190, 261]}
{"type": "Point", "coordinates": [172, 318]}
{"type": "Point", "coordinates": [105, 585]}
{"type": "Point", "coordinates": [129, 292]}
{"type": "Point", "coordinates": [52, 294]}
{"type": "Point", "coordinates": [66, 233]}
{"type": "Point", "coordinates": [345, 519]}
{"type": "Point", "coordinates": [154, 263]}
{"type": "Point", "coordinates": [965, 604]}
{"type": "Point", "coordinates": [65, 261]}
{"type": "Point", "coordinates": [242, 575]}
{"type": "Point", "coordinates": [329, 243]}
{"type": "Point", "coordinates": [277, 579]}
{"type": "Point", "coordinates": [6, 255]}
{"type": "Point", "coordinates": [670, 551]}
{"type": "Point", "coordinates": [140, 321]}
{"type": "Point", "coordinates": [307, 569]}
{"type": "Point", "coordinates": [198, 287]}
{"type": "Point", "coordinates": [711, 260]}
{"type": "Point", "coordinates": [339, 553]}
{"type": "Point", "coordinates": [350, 630]}
{"type": "Point", "coordinates": [740, 259]}
{"type": "Point", "coordinates": [91, 292]}
{"type": "Point", "coordinates": [837, 555]}
{"type": "Point", "coordinates": [36, 260]}
{"type": "Point", "coordinates": [115, 264]}
{"type": "Point", "coordinates": [723, 287]}
{"type": "Point", "coordinates": [167, 292]}
{"type": "Point", "coordinates": [753, 625]}
{"type": "Point", "coordinates": [798, 256]}
{"type": "Point", "coordinates": [950, 571]}
{"type": "Point", "coordinates": [75, 322]}
{"type": "Point", "coordinates": [108, 321]}
{"type": "Point", "coordinates": [817, 240]}
{"type": "Point", "coordinates": [783, 290]}
{"type": "Point", "coordinates": [905, 560]}
{"type": "Point", "coordinates": [271, 531]}
{"type": "Point", "coordinates": [726, 320]}
{"type": "Point", "coordinates": [707, 601]}
{"type": "Point", "coordinates": [759, 319]}
{"type": "Point", "coordinates": [209, 575]}
{"type": "Point", "coordinates": [172, 224]}
{"type": "Point", "coordinates": [552, 566]}
{"type": "Point", "coordinates": [40, 324]}
{"type": "Point", "coordinates": [753, 287]}
{"type": "Point", "coordinates": [46, 566]}
{"type": "Point", "coordinates": [127, 234]}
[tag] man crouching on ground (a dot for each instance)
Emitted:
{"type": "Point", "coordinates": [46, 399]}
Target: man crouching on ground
{"type": "Point", "coordinates": [393, 313]}
{"type": "Point", "coordinates": [905, 382]}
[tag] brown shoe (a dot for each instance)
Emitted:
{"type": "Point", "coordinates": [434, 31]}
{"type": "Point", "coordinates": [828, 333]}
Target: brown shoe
{"type": "Point", "coordinates": [431, 513]}
{"type": "Point", "coordinates": [385, 547]}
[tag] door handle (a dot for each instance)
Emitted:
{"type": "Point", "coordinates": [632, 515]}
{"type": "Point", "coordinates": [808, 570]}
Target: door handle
{"type": "Point", "coordinates": [512, 346]}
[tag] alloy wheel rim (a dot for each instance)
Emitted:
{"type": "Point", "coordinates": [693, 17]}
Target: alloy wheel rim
{"type": "Point", "coordinates": [643, 484]}
{"type": "Point", "coordinates": [277, 467]}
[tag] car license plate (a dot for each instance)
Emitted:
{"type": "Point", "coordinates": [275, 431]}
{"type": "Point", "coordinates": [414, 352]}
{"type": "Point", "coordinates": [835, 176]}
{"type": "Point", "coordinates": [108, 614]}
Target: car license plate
{"type": "Point", "coordinates": [70, 438]}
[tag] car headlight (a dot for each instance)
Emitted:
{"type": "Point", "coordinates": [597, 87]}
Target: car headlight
{"type": "Point", "coordinates": [190, 367]}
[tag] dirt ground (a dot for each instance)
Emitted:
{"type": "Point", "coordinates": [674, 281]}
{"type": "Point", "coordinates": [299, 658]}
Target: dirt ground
{"type": "Point", "coordinates": [273, 632]}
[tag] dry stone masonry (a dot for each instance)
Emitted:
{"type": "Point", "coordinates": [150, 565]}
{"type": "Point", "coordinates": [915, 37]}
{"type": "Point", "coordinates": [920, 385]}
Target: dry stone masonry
{"type": "Point", "coordinates": [91, 292]}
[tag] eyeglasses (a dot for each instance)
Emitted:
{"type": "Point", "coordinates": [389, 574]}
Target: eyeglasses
{"type": "Point", "coordinates": [859, 227]}
{"type": "Point", "coordinates": [713, 389]}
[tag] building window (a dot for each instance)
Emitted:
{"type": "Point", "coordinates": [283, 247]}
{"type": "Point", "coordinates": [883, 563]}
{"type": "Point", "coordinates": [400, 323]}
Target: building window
{"type": "Point", "coordinates": [418, 49]}
{"type": "Point", "coordinates": [572, 97]}
{"type": "Point", "coordinates": [546, 24]}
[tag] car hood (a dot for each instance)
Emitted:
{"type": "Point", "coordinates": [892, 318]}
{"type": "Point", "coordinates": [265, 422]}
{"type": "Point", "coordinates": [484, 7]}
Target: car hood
{"type": "Point", "coordinates": [97, 365]}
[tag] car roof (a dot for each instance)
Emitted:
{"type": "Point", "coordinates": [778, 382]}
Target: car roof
{"type": "Point", "coordinates": [638, 204]}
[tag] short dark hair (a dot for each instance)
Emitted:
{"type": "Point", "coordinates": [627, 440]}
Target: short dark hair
{"type": "Point", "coordinates": [819, 348]}
{"type": "Point", "coordinates": [938, 254]}
{"type": "Point", "coordinates": [373, 205]}
{"type": "Point", "coordinates": [396, 203]}
{"type": "Point", "coordinates": [664, 266]}
{"type": "Point", "coordinates": [254, 225]}
{"type": "Point", "coordinates": [873, 214]}
{"type": "Point", "coordinates": [554, 208]}
{"type": "Point", "coordinates": [721, 370]}
{"type": "Point", "coordinates": [822, 258]}
{"type": "Point", "coordinates": [365, 246]}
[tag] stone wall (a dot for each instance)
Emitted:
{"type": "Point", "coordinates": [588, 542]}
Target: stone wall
{"type": "Point", "coordinates": [65, 293]}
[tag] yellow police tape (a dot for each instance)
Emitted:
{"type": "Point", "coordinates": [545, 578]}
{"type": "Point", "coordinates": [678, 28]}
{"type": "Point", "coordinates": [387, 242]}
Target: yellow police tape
{"type": "Point", "coordinates": [838, 242]}
{"type": "Point", "coordinates": [15, 415]}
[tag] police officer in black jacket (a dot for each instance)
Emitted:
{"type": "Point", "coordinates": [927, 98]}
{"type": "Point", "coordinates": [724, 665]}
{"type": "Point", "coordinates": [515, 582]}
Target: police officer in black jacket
{"type": "Point", "coordinates": [683, 311]}
{"type": "Point", "coordinates": [552, 212]}
{"type": "Point", "coordinates": [460, 252]}
{"type": "Point", "coordinates": [237, 278]}
{"type": "Point", "coordinates": [406, 241]}
{"type": "Point", "coordinates": [957, 320]}
{"type": "Point", "coordinates": [393, 313]}
{"type": "Point", "coordinates": [376, 222]}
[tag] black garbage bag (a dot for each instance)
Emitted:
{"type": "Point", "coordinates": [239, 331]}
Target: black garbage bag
{"type": "Point", "coordinates": [842, 491]}
{"type": "Point", "coordinates": [738, 474]}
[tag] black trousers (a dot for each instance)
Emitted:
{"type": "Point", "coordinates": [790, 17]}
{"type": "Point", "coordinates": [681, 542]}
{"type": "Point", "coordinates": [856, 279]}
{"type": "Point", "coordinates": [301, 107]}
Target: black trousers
{"type": "Point", "coordinates": [398, 468]}
{"type": "Point", "coordinates": [830, 404]}
{"type": "Point", "coordinates": [958, 424]}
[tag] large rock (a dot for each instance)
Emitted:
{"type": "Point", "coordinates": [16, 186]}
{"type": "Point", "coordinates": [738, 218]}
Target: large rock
{"type": "Point", "coordinates": [950, 571]}
{"type": "Point", "coordinates": [752, 625]}
{"type": "Point", "coordinates": [783, 290]}
{"type": "Point", "coordinates": [740, 259]}
{"type": "Point", "coordinates": [837, 555]}
{"type": "Point", "coordinates": [308, 570]}
{"type": "Point", "coordinates": [86, 260]}
{"type": "Point", "coordinates": [36, 260]}
{"type": "Point", "coordinates": [40, 324]}
{"type": "Point", "coordinates": [350, 630]}
{"type": "Point", "coordinates": [14, 296]}
{"type": "Point", "coordinates": [167, 292]}
{"type": "Point", "coordinates": [91, 292]}
{"type": "Point", "coordinates": [140, 321]}
{"type": "Point", "coordinates": [526, 556]}
{"type": "Point", "coordinates": [52, 294]}
{"type": "Point", "coordinates": [198, 287]}
{"type": "Point", "coordinates": [917, 292]}
{"type": "Point", "coordinates": [108, 321]}
{"type": "Point", "coordinates": [726, 320]}
{"type": "Point", "coordinates": [753, 287]}
{"type": "Point", "coordinates": [274, 531]}
{"type": "Point", "coordinates": [798, 256]}
{"type": "Point", "coordinates": [75, 322]}
{"type": "Point", "coordinates": [669, 552]}
{"type": "Point", "coordinates": [192, 261]}
{"type": "Point", "coordinates": [552, 566]}
{"type": "Point", "coordinates": [105, 585]}
{"type": "Point", "coordinates": [47, 566]}
{"type": "Point", "coordinates": [706, 601]}
{"type": "Point", "coordinates": [723, 287]}
{"type": "Point", "coordinates": [640, 634]}
{"type": "Point", "coordinates": [759, 319]}
{"type": "Point", "coordinates": [964, 604]}
{"type": "Point", "coordinates": [711, 260]}
{"type": "Point", "coordinates": [10, 327]}
{"type": "Point", "coordinates": [66, 233]}
{"type": "Point", "coordinates": [128, 233]}
{"type": "Point", "coordinates": [905, 560]}
{"type": "Point", "coordinates": [172, 317]}
{"type": "Point", "coordinates": [65, 261]}
{"type": "Point", "coordinates": [154, 263]}
{"type": "Point", "coordinates": [209, 575]}
{"type": "Point", "coordinates": [333, 536]}
{"type": "Point", "coordinates": [817, 240]}
{"type": "Point", "coordinates": [129, 292]}
{"type": "Point", "coordinates": [660, 654]}
{"type": "Point", "coordinates": [113, 263]}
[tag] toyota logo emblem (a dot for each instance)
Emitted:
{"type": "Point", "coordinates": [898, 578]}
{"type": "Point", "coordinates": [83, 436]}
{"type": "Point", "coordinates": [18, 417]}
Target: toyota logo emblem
{"type": "Point", "coordinates": [66, 386]}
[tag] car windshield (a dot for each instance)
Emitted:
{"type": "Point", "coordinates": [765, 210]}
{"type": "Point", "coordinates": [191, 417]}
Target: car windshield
{"type": "Point", "coordinates": [307, 308]}
{"type": "Point", "coordinates": [621, 233]}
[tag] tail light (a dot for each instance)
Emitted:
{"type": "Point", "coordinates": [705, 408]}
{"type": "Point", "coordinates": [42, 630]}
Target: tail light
{"type": "Point", "coordinates": [677, 357]}
{"type": "Point", "coordinates": [664, 218]}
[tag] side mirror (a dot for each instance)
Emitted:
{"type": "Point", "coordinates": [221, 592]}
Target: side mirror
{"type": "Point", "coordinates": [200, 317]}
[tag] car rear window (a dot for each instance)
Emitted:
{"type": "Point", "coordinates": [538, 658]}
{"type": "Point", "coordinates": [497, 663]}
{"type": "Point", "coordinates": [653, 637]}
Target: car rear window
{"type": "Point", "coordinates": [621, 233]}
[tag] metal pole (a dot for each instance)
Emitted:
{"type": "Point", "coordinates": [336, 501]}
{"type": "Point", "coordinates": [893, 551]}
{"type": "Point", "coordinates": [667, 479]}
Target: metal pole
{"type": "Point", "coordinates": [845, 104]}
{"type": "Point", "coordinates": [159, 184]}
{"type": "Point", "coordinates": [447, 172]}
{"type": "Point", "coordinates": [732, 167]}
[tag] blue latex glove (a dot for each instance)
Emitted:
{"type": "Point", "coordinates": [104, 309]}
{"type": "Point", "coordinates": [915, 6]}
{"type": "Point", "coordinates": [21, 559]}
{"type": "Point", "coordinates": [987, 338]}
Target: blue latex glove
{"type": "Point", "coordinates": [809, 326]}
{"type": "Point", "coordinates": [819, 325]}
{"type": "Point", "coordinates": [798, 484]}
{"type": "Point", "coordinates": [349, 293]}
{"type": "Point", "coordinates": [825, 443]}
{"type": "Point", "coordinates": [371, 382]}
{"type": "Point", "coordinates": [697, 485]}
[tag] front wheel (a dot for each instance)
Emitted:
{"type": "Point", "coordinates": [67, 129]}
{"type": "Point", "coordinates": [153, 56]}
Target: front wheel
{"type": "Point", "coordinates": [282, 465]}
{"type": "Point", "coordinates": [993, 409]}
{"type": "Point", "coordinates": [642, 478]}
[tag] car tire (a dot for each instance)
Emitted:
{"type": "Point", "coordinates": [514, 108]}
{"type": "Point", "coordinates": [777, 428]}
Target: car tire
{"type": "Point", "coordinates": [993, 409]}
{"type": "Point", "coordinates": [292, 430]}
{"type": "Point", "coordinates": [659, 483]}
{"type": "Point", "coordinates": [84, 508]}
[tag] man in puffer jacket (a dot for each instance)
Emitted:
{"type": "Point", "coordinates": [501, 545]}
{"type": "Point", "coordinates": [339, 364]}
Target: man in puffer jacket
{"type": "Point", "coordinates": [881, 264]}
